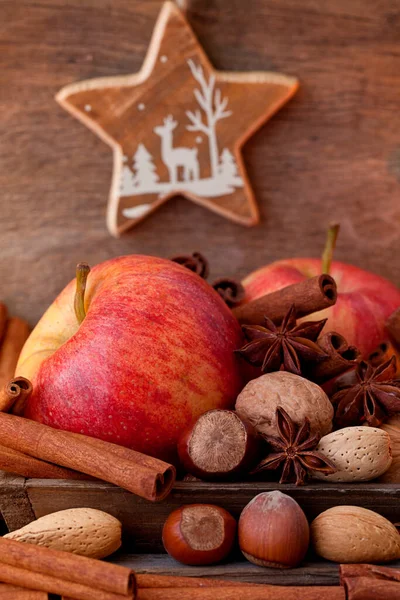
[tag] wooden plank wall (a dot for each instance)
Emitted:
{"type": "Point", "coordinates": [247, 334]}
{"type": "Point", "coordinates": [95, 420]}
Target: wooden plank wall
{"type": "Point", "coordinates": [332, 153]}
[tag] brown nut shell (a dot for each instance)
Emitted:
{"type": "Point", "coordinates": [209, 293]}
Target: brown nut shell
{"type": "Point", "coordinates": [219, 446]}
{"type": "Point", "coordinates": [85, 531]}
{"type": "Point", "coordinates": [351, 534]}
{"type": "Point", "coordinates": [258, 401]}
{"type": "Point", "coordinates": [273, 531]}
{"type": "Point", "coordinates": [358, 453]}
{"type": "Point", "coordinates": [199, 534]}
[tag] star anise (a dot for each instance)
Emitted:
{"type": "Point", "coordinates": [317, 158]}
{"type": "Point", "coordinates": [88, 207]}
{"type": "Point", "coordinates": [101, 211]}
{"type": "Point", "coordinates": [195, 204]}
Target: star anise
{"type": "Point", "coordinates": [288, 346]}
{"type": "Point", "coordinates": [374, 396]}
{"type": "Point", "coordinates": [295, 450]}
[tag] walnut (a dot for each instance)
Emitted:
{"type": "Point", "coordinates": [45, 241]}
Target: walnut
{"type": "Point", "coordinates": [300, 398]}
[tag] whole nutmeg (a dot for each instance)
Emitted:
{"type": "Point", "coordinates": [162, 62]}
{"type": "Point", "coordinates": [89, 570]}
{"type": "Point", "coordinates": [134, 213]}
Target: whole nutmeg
{"type": "Point", "coordinates": [273, 531]}
{"type": "Point", "coordinates": [358, 453]}
{"type": "Point", "coordinates": [199, 534]}
{"type": "Point", "coordinates": [220, 445]}
{"type": "Point", "coordinates": [85, 531]}
{"type": "Point", "coordinates": [392, 427]}
{"type": "Point", "coordinates": [351, 534]}
{"type": "Point", "coordinates": [300, 398]}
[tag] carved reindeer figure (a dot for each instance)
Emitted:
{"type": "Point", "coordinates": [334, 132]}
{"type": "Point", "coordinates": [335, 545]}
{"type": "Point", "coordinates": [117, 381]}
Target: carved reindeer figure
{"type": "Point", "coordinates": [173, 158]}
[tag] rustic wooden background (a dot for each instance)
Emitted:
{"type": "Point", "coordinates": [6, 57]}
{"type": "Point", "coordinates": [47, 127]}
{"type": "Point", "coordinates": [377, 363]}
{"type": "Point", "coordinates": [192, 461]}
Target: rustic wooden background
{"type": "Point", "coordinates": [332, 153]}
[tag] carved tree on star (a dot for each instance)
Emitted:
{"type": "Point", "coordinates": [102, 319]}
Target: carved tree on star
{"type": "Point", "coordinates": [227, 167]}
{"type": "Point", "coordinates": [213, 105]}
{"type": "Point", "coordinates": [127, 181]}
{"type": "Point", "coordinates": [145, 170]}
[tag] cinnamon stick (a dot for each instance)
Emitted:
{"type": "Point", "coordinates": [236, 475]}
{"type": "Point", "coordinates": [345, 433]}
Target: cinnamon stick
{"type": "Point", "coordinates": [308, 296]}
{"type": "Point", "coordinates": [368, 588]}
{"type": "Point", "coordinates": [165, 582]}
{"type": "Point", "coordinates": [244, 592]}
{"type": "Point", "coordinates": [12, 592]}
{"type": "Point", "coordinates": [64, 573]}
{"type": "Point", "coordinates": [3, 319]}
{"type": "Point", "coordinates": [143, 475]}
{"type": "Point", "coordinates": [15, 335]}
{"type": "Point", "coordinates": [15, 392]}
{"type": "Point", "coordinates": [393, 327]}
{"type": "Point", "coordinates": [26, 390]}
{"type": "Point", "coordinates": [163, 480]}
{"type": "Point", "coordinates": [149, 580]}
{"type": "Point", "coordinates": [370, 582]}
{"type": "Point", "coordinates": [13, 461]}
{"type": "Point", "coordinates": [231, 291]}
{"type": "Point", "coordinates": [366, 570]}
{"type": "Point", "coordinates": [34, 580]}
{"type": "Point", "coordinates": [341, 358]}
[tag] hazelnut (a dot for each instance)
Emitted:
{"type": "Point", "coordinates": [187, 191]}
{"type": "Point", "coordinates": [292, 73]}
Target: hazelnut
{"type": "Point", "coordinates": [199, 534]}
{"type": "Point", "coordinates": [219, 446]}
{"type": "Point", "coordinates": [258, 401]}
{"type": "Point", "coordinates": [273, 531]}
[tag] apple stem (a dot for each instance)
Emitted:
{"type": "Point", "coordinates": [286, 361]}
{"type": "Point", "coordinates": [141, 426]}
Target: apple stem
{"type": "Point", "coordinates": [330, 244]}
{"type": "Point", "coordinates": [82, 272]}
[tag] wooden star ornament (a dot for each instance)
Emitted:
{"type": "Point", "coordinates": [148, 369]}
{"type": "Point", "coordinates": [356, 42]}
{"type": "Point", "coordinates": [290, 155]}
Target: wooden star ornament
{"type": "Point", "coordinates": [177, 126]}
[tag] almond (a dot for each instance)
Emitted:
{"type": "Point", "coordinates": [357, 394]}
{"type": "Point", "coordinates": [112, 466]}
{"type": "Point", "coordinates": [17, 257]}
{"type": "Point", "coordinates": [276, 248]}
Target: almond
{"type": "Point", "coordinates": [392, 427]}
{"type": "Point", "coordinates": [359, 454]}
{"type": "Point", "coordinates": [351, 534]}
{"type": "Point", "coordinates": [84, 531]}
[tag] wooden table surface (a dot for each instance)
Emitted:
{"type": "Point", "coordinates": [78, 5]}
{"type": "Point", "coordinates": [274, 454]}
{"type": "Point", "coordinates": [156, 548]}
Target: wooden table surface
{"type": "Point", "coordinates": [332, 153]}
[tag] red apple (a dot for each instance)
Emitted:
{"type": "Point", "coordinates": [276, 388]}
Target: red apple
{"type": "Point", "coordinates": [154, 351]}
{"type": "Point", "coordinates": [364, 301]}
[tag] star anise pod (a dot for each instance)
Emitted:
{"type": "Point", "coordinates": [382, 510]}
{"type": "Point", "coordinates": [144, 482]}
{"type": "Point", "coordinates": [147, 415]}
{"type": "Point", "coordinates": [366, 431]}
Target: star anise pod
{"type": "Point", "coordinates": [294, 450]}
{"type": "Point", "coordinates": [374, 396]}
{"type": "Point", "coordinates": [196, 263]}
{"type": "Point", "coordinates": [288, 346]}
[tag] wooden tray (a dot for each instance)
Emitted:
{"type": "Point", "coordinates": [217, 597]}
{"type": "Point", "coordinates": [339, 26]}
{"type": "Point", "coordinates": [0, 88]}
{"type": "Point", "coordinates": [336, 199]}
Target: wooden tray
{"type": "Point", "coordinates": [23, 500]}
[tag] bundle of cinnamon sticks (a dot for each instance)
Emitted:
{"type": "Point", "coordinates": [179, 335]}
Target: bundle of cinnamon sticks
{"type": "Point", "coordinates": [13, 334]}
{"type": "Point", "coordinates": [51, 571]}
{"type": "Point", "coordinates": [37, 571]}
{"type": "Point", "coordinates": [28, 448]}
{"type": "Point", "coordinates": [30, 572]}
